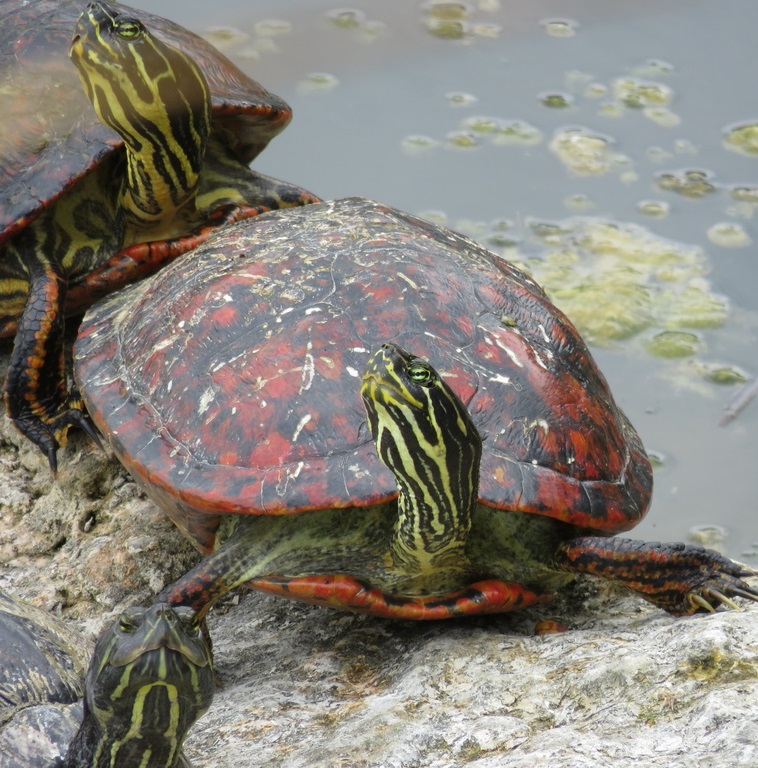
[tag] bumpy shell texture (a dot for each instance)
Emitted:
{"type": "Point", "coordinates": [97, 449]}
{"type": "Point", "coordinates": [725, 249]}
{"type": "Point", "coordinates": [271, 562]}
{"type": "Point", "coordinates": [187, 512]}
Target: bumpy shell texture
{"type": "Point", "coordinates": [41, 659]}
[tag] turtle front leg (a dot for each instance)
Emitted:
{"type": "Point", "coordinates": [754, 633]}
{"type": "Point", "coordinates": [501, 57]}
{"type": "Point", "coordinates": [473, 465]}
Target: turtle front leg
{"type": "Point", "coordinates": [36, 397]}
{"type": "Point", "coordinates": [680, 578]}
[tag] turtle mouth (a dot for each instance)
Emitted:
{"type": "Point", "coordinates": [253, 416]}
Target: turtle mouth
{"type": "Point", "coordinates": [76, 49]}
{"type": "Point", "coordinates": [385, 391]}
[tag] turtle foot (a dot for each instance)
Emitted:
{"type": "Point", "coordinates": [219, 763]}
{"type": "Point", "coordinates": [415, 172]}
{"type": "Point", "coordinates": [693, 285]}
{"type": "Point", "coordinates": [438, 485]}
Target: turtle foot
{"type": "Point", "coordinates": [680, 578]}
{"type": "Point", "coordinates": [720, 591]}
{"type": "Point", "coordinates": [49, 432]}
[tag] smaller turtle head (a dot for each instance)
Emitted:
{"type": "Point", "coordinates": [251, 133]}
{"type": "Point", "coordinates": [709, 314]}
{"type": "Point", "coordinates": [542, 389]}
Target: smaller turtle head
{"type": "Point", "coordinates": [150, 678]}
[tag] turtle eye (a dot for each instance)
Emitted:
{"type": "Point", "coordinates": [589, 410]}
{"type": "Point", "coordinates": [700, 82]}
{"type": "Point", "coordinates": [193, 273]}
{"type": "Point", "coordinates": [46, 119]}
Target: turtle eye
{"type": "Point", "coordinates": [126, 624]}
{"type": "Point", "coordinates": [421, 373]}
{"type": "Point", "coordinates": [128, 29]}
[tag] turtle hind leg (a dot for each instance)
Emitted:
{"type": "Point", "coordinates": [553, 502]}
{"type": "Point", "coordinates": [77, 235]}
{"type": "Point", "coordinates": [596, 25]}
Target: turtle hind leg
{"type": "Point", "coordinates": [680, 578]}
{"type": "Point", "coordinates": [36, 396]}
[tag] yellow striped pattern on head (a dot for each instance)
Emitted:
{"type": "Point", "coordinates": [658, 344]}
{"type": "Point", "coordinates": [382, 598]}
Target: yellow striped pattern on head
{"type": "Point", "coordinates": [150, 678]}
{"type": "Point", "coordinates": [425, 435]}
{"type": "Point", "coordinates": [156, 98]}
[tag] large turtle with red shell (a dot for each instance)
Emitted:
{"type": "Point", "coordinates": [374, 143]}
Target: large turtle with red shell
{"type": "Point", "coordinates": [91, 199]}
{"type": "Point", "coordinates": [483, 469]}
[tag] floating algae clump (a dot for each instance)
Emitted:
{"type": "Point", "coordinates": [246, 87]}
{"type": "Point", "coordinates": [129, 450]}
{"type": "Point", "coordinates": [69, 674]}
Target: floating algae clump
{"type": "Point", "coordinates": [617, 280]}
{"type": "Point", "coordinates": [742, 138]}
{"type": "Point", "coordinates": [587, 153]}
{"type": "Point", "coordinates": [674, 344]}
{"type": "Point", "coordinates": [637, 94]}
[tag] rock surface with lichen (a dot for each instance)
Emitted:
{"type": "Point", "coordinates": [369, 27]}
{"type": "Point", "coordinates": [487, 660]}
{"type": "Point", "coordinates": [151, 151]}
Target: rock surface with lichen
{"type": "Point", "coordinates": [627, 685]}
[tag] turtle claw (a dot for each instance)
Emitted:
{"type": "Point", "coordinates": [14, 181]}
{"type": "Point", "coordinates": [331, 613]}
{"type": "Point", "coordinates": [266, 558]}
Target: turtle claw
{"type": "Point", "coordinates": [50, 435]}
{"type": "Point", "coordinates": [698, 601]}
{"type": "Point", "coordinates": [41, 434]}
{"type": "Point", "coordinates": [52, 459]}
{"type": "Point", "coordinates": [720, 582]}
{"type": "Point", "coordinates": [724, 600]}
{"type": "Point", "coordinates": [86, 425]}
{"type": "Point", "coordinates": [709, 598]}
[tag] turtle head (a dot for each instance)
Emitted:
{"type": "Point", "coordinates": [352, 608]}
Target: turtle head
{"type": "Point", "coordinates": [422, 431]}
{"type": "Point", "coordinates": [150, 678]}
{"type": "Point", "coordinates": [137, 83]}
{"type": "Point", "coordinates": [152, 94]}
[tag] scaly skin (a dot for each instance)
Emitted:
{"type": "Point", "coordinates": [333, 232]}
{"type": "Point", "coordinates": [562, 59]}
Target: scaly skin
{"type": "Point", "coordinates": [150, 678]}
{"type": "Point", "coordinates": [338, 558]}
{"type": "Point", "coordinates": [680, 578]}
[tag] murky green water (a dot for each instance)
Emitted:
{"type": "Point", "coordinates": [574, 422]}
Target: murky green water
{"type": "Point", "coordinates": [508, 125]}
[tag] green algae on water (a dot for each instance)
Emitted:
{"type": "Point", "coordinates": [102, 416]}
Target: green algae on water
{"type": "Point", "coordinates": [638, 94]}
{"type": "Point", "coordinates": [674, 344]}
{"type": "Point", "coordinates": [690, 182]}
{"type": "Point", "coordinates": [586, 152]}
{"type": "Point", "coordinates": [616, 281]}
{"type": "Point", "coordinates": [742, 137]}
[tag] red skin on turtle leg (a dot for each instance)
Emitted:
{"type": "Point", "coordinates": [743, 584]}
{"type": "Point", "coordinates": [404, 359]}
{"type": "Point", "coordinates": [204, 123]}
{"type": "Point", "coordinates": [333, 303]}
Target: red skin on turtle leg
{"type": "Point", "coordinates": [680, 578]}
{"type": "Point", "coordinates": [199, 589]}
{"type": "Point", "coordinates": [349, 594]}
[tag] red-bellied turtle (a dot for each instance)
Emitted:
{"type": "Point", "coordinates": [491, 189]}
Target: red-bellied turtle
{"type": "Point", "coordinates": [479, 474]}
{"type": "Point", "coordinates": [149, 679]}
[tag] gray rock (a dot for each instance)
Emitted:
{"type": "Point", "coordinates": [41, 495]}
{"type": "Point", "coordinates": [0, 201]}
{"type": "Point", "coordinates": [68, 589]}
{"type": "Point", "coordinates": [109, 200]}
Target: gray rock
{"type": "Point", "coordinates": [628, 686]}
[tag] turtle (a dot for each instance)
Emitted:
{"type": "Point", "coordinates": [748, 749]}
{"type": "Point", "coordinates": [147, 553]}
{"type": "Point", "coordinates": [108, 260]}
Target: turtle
{"type": "Point", "coordinates": [348, 405]}
{"type": "Point", "coordinates": [150, 677]}
{"type": "Point", "coordinates": [102, 184]}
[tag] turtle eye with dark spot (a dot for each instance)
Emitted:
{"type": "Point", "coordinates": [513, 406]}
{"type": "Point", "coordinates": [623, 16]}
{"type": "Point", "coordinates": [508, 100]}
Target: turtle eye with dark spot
{"type": "Point", "coordinates": [129, 29]}
{"type": "Point", "coordinates": [421, 373]}
{"type": "Point", "coordinates": [127, 624]}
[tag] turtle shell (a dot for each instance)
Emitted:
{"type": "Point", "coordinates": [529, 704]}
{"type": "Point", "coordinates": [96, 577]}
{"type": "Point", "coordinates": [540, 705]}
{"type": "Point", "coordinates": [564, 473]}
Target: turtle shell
{"type": "Point", "coordinates": [229, 383]}
{"type": "Point", "coordinates": [41, 659]}
{"type": "Point", "coordinates": [43, 663]}
{"type": "Point", "coordinates": [45, 151]}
